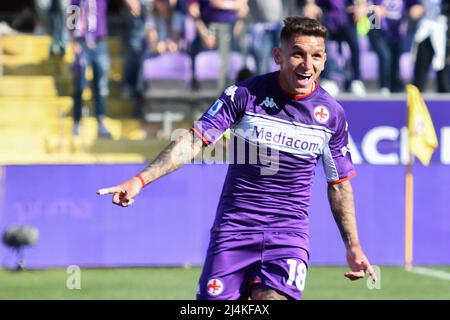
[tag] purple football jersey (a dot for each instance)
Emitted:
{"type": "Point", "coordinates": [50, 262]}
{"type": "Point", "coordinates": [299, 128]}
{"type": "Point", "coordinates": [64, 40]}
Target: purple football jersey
{"type": "Point", "coordinates": [93, 19]}
{"type": "Point", "coordinates": [288, 135]}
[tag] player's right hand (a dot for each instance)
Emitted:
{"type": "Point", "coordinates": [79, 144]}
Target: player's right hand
{"type": "Point", "coordinates": [123, 194]}
{"type": "Point", "coordinates": [359, 265]}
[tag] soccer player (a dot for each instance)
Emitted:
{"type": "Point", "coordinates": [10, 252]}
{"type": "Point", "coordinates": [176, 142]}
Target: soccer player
{"type": "Point", "coordinates": [259, 246]}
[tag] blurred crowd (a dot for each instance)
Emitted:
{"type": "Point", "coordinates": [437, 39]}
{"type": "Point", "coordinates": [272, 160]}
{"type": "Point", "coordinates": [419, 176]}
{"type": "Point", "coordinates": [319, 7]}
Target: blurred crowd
{"type": "Point", "coordinates": [389, 28]}
{"type": "Point", "coordinates": [393, 27]}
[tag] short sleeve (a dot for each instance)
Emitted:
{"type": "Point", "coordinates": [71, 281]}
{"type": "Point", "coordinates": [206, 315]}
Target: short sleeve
{"type": "Point", "coordinates": [337, 160]}
{"type": "Point", "coordinates": [221, 115]}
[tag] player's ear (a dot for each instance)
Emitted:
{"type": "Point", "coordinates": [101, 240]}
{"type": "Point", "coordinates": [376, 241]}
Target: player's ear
{"type": "Point", "coordinates": [324, 60]}
{"type": "Point", "coordinates": [276, 54]}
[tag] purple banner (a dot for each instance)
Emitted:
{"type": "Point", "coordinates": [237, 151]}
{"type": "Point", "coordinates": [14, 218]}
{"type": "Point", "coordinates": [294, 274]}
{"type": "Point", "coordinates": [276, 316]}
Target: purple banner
{"type": "Point", "coordinates": [167, 226]}
{"type": "Point", "coordinates": [379, 135]}
{"type": "Point", "coordinates": [169, 223]}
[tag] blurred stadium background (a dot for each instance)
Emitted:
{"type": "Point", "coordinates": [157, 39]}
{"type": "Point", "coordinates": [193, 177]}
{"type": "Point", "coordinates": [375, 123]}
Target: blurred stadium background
{"type": "Point", "coordinates": [154, 249]}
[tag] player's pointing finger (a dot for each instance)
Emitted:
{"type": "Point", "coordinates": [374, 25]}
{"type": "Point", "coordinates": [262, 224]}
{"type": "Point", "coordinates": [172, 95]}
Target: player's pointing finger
{"type": "Point", "coordinates": [109, 190]}
{"type": "Point", "coordinates": [372, 273]}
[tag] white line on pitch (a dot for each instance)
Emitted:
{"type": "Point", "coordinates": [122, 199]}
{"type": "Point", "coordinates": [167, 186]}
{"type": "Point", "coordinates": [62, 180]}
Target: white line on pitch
{"type": "Point", "coordinates": [431, 273]}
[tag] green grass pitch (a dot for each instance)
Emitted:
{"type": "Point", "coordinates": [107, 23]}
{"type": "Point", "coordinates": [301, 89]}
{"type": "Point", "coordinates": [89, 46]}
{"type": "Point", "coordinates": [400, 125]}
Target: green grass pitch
{"type": "Point", "coordinates": [181, 283]}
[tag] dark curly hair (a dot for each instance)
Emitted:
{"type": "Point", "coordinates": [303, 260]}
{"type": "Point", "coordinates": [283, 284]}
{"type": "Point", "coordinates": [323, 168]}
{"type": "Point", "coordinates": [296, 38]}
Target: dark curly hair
{"type": "Point", "coordinates": [303, 26]}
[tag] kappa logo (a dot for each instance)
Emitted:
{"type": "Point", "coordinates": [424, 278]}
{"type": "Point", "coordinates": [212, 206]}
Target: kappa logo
{"type": "Point", "coordinates": [321, 114]}
{"type": "Point", "coordinates": [345, 149]}
{"type": "Point", "coordinates": [214, 287]}
{"type": "Point", "coordinates": [269, 103]}
{"type": "Point", "coordinates": [231, 92]}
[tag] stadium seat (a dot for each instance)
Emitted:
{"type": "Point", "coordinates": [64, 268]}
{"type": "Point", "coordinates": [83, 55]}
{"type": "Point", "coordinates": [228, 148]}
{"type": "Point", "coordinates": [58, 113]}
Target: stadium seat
{"type": "Point", "coordinates": [167, 67]}
{"type": "Point", "coordinates": [406, 67]}
{"type": "Point", "coordinates": [207, 65]}
{"type": "Point", "coordinates": [364, 44]}
{"type": "Point", "coordinates": [369, 65]}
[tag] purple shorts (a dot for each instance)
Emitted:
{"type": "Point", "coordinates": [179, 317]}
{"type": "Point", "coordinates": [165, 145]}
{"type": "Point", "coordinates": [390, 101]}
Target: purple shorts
{"type": "Point", "coordinates": [237, 261]}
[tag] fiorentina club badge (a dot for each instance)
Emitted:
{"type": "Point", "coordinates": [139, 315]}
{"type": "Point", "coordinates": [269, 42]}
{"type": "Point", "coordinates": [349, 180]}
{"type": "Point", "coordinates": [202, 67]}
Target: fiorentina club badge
{"type": "Point", "coordinates": [321, 114]}
{"type": "Point", "coordinates": [214, 287]}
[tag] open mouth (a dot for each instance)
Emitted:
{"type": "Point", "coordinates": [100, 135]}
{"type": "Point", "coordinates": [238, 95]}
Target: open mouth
{"type": "Point", "coordinates": [303, 76]}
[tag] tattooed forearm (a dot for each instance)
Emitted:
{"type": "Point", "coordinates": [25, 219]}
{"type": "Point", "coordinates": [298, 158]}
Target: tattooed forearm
{"type": "Point", "coordinates": [176, 154]}
{"type": "Point", "coordinates": [340, 196]}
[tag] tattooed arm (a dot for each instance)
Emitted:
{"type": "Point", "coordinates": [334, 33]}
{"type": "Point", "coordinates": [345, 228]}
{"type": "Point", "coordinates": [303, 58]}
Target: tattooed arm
{"type": "Point", "coordinates": [175, 155]}
{"type": "Point", "coordinates": [340, 196]}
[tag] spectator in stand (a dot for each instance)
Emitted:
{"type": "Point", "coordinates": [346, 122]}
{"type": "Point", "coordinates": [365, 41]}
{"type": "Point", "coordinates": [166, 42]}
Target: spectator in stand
{"type": "Point", "coordinates": [264, 28]}
{"type": "Point", "coordinates": [90, 48]}
{"type": "Point", "coordinates": [293, 7]}
{"type": "Point", "coordinates": [446, 12]}
{"type": "Point", "coordinates": [52, 14]}
{"type": "Point", "coordinates": [340, 18]}
{"type": "Point", "coordinates": [430, 44]}
{"type": "Point", "coordinates": [157, 28]}
{"type": "Point", "coordinates": [134, 14]}
{"type": "Point", "coordinates": [208, 14]}
{"type": "Point", "coordinates": [387, 41]}
{"type": "Point", "coordinates": [177, 25]}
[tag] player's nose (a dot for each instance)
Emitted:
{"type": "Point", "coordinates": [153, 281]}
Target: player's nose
{"type": "Point", "coordinates": [307, 62]}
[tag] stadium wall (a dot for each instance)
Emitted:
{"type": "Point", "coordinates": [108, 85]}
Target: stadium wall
{"type": "Point", "coordinates": [169, 223]}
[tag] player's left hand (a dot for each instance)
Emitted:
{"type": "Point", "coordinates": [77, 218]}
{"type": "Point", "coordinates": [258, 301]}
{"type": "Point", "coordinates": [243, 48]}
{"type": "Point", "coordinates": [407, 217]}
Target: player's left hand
{"type": "Point", "coordinates": [359, 265]}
